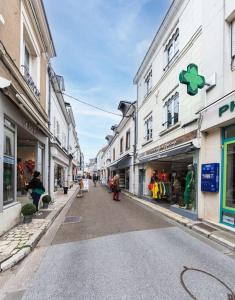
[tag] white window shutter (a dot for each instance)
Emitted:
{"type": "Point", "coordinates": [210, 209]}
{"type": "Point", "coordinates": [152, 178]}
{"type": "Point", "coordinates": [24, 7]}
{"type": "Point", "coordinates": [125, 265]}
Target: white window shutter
{"type": "Point", "coordinates": [233, 38]}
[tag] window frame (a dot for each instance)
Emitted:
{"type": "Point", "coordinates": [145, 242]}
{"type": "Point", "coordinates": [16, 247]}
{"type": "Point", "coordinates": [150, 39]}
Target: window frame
{"type": "Point", "coordinates": [148, 82]}
{"type": "Point", "coordinates": [128, 140]}
{"type": "Point", "coordinates": [174, 109]}
{"type": "Point", "coordinates": [173, 44]}
{"type": "Point", "coordinates": [121, 145]}
{"type": "Point", "coordinates": [148, 128]}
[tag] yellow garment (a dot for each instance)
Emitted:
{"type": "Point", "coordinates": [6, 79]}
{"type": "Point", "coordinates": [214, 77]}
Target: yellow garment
{"type": "Point", "coordinates": [160, 190]}
{"type": "Point", "coordinates": [155, 190]}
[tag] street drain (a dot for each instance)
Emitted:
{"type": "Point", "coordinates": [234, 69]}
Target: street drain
{"type": "Point", "coordinates": [72, 219]}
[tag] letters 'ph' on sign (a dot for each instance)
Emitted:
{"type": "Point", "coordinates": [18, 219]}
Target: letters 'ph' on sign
{"type": "Point", "coordinates": [192, 79]}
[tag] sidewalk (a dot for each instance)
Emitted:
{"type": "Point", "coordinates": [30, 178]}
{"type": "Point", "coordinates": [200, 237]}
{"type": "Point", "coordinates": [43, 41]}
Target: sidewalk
{"type": "Point", "coordinates": [20, 240]}
{"type": "Point", "coordinates": [216, 233]}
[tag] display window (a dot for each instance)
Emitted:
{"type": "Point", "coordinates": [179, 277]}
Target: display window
{"type": "Point", "coordinates": [174, 182]}
{"type": "Point", "coordinates": [59, 174]}
{"type": "Point", "coordinates": [9, 163]}
{"type": "Point", "coordinates": [26, 157]}
{"type": "Point", "coordinates": [228, 176]}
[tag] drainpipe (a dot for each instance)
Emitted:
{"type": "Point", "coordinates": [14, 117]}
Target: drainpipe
{"type": "Point", "coordinates": [49, 144]}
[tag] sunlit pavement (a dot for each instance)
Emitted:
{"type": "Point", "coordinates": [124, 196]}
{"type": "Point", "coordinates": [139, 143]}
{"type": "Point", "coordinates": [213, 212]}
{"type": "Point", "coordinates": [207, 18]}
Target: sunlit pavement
{"type": "Point", "coordinates": [121, 250]}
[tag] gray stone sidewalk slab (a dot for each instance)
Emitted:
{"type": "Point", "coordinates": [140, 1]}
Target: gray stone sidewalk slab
{"type": "Point", "coordinates": [226, 238]}
{"type": "Point", "coordinates": [216, 234]}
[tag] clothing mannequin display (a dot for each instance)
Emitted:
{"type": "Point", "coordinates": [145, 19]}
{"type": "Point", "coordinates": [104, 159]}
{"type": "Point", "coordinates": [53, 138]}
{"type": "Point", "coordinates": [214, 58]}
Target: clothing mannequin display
{"type": "Point", "coordinates": [188, 187]}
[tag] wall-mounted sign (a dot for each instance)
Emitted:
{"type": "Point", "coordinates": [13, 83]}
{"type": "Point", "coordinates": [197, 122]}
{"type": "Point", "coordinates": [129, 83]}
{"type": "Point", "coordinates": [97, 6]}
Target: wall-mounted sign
{"type": "Point", "coordinates": [230, 106]}
{"type": "Point", "coordinates": [192, 79]}
{"type": "Point", "coordinates": [171, 144]}
{"type": "Point", "coordinates": [210, 178]}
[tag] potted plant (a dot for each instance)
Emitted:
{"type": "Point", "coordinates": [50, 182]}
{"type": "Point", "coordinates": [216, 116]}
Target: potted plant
{"type": "Point", "coordinates": [46, 200]}
{"type": "Point", "coordinates": [27, 211]}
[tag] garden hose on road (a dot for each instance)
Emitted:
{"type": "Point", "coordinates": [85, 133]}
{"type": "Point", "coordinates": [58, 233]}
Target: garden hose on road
{"type": "Point", "coordinates": [230, 295]}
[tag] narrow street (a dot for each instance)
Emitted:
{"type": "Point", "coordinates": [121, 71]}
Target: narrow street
{"type": "Point", "coordinates": [103, 249]}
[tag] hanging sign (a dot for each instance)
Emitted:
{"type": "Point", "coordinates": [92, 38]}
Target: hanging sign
{"type": "Point", "coordinates": [192, 79]}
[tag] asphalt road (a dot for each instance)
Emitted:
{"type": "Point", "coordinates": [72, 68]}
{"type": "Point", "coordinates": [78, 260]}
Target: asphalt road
{"type": "Point", "coordinates": [121, 250]}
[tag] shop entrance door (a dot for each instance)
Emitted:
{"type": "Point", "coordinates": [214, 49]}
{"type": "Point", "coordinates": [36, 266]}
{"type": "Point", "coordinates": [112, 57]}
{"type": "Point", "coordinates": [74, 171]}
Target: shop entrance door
{"type": "Point", "coordinates": [228, 188]}
{"type": "Point", "coordinates": [141, 182]}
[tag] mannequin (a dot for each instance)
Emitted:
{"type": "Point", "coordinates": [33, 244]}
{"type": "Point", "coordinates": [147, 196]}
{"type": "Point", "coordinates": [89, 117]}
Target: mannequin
{"type": "Point", "coordinates": [188, 187]}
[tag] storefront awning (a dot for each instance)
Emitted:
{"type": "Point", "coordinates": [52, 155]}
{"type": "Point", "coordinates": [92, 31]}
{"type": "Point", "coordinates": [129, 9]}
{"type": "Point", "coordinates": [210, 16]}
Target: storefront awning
{"type": "Point", "coordinates": [186, 148]}
{"type": "Point", "coordinates": [121, 163]}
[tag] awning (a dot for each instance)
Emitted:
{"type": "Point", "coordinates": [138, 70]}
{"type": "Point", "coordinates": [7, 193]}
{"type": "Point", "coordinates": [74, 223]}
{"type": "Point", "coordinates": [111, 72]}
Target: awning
{"type": "Point", "coordinates": [121, 163]}
{"type": "Point", "coordinates": [186, 148]}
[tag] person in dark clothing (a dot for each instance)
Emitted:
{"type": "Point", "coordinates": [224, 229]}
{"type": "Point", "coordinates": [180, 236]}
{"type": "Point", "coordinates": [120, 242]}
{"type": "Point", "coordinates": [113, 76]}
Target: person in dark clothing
{"type": "Point", "coordinates": [116, 188]}
{"type": "Point", "coordinates": [95, 179]}
{"type": "Point", "coordinates": [37, 188]}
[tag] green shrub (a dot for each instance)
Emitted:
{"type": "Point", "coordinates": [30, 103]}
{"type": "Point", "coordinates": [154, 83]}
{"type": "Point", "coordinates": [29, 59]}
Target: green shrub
{"type": "Point", "coordinates": [46, 199]}
{"type": "Point", "coordinates": [28, 209]}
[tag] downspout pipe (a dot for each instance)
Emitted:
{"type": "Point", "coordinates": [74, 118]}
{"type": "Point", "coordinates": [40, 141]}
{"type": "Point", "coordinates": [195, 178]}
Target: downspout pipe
{"type": "Point", "coordinates": [49, 144]}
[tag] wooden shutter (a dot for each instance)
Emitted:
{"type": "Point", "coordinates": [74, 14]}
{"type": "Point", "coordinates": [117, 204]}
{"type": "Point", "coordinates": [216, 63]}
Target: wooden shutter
{"type": "Point", "coordinates": [233, 38]}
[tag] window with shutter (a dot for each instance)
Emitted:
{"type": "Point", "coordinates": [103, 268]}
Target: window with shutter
{"type": "Point", "coordinates": [233, 39]}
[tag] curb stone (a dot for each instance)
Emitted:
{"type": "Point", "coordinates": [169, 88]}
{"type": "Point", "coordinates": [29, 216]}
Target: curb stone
{"type": "Point", "coordinates": [32, 242]}
{"type": "Point", "coordinates": [218, 235]}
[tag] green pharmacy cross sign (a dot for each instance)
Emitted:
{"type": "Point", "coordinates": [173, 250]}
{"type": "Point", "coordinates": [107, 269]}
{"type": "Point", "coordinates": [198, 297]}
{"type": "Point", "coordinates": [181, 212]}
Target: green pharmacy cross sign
{"type": "Point", "coordinates": [192, 79]}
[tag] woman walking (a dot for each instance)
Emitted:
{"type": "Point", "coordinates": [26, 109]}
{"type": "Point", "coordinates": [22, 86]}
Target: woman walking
{"type": "Point", "coordinates": [37, 188]}
{"type": "Point", "coordinates": [116, 188]}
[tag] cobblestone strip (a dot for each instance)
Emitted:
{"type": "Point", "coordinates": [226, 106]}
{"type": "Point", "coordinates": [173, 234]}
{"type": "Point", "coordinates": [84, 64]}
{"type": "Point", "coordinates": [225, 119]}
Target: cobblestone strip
{"type": "Point", "coordinates": [19, 241]}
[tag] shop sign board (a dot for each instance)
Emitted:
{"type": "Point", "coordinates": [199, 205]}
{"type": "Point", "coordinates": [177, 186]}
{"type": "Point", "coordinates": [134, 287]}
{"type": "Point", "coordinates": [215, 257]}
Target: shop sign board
{"type": "Point", "coordinates": [228, 218]}
{"type": "Point", "coordinates": [220, 113]}
{"type": "Point", "coordinates": [226, 108]}
{"type": "Point", "coordinates": [210, 177]}
{"type": "Point", "coordinates": [171, 144]}
{"type": "Point", "coordinates": [85, 184]}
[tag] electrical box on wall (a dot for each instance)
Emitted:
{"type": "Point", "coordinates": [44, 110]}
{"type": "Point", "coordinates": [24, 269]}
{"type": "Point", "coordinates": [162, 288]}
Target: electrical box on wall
{"type": "Point", "coordinates": [210, 178]}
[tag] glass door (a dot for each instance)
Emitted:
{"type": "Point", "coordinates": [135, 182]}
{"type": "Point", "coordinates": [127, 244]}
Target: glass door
{"type": "Point", "coordinates": [9, 163]}
{"type": "Point", "coordinates": [229, 176]}
{"type": "Point", "coordinates": [228, 187]}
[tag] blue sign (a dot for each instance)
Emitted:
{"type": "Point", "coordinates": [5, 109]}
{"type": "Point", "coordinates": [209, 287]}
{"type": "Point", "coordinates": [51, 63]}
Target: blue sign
{"type": "Point", "coordinates": [210, 178]}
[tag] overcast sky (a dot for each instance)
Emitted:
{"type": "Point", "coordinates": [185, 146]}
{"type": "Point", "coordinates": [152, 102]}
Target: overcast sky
{"type": "Point", "coordinates": [100, 45]}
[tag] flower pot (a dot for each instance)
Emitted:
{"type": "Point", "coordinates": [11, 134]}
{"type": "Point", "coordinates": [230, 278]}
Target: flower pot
{"type": "Point", "coordinates": [65, 190]}
{"type": "Point", "coordinates": [45, 205]}
{"type": "Point", "coordinates": [28, 219]}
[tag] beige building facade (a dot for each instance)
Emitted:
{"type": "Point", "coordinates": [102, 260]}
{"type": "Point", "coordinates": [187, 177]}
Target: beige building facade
{"type": "Point", "coordinates": [26, 48]}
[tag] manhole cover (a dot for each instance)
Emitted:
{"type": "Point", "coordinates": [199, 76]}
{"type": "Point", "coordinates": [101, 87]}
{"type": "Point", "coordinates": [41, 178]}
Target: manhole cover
{"type": "Point", "coordinates": [206, 227]}
{"type": "Point", "coordinates": [72, 219]}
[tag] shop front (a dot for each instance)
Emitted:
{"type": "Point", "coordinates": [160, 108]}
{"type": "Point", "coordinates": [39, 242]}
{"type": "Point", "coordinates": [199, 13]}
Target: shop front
{"type": "Point", "coordinates": [122, 168]}
{"type": "Point", "coordinates": [168, 175]}
{"type": "Point", "coordinates": [23, 151]}
{"type": "Point", "coordinates": [218, 132]}
{"type": "Point", "coordinates": [59, 169]}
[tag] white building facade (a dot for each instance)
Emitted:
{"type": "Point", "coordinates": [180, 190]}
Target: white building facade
{"type": "Point", "coordinates": [178, 132]}
{"type": "Point", "coordinates": [118, 157]}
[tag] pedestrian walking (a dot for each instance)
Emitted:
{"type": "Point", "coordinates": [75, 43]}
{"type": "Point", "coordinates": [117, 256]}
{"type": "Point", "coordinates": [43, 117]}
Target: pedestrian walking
{"type": "Point", "coordinates": [95, 179]}
{"type": "Point", "coordinates": [37, 188]}
{"type": "Point", "coordinates": [116, 188]}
